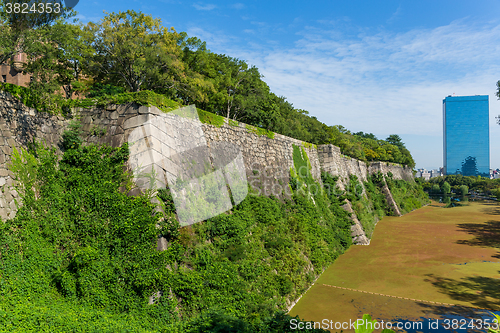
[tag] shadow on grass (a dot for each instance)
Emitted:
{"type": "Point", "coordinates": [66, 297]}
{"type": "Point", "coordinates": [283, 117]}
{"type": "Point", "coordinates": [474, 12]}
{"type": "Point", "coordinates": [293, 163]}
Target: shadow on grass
{"type": "Point", "coordinates": [481, 292]}
{"type": "Point", "coordinates": [493, 210]}
{"type": "Point", "coordinates": [465, 317]}
{"type": "Point", "coordinates": [441, 310]}
{"type": "Point", "coordinates": [485, 234]}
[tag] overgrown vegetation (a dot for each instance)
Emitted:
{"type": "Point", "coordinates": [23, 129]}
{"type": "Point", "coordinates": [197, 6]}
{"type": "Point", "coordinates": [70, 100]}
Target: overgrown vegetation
{"type": "Point", "coordinates": [408, 195]}
{"type": "Point", "coordinates": [59, 105]}
{"type": "Point", "coordinates": [81, 254]}
{"type": "Point", "coordinates": [463, 184]}
{"type": "Point", "coordinates": [367, 200]}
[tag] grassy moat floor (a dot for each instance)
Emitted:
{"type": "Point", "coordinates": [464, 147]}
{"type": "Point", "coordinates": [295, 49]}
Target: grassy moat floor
{"type": "Point", "coordinates": [433, 254]}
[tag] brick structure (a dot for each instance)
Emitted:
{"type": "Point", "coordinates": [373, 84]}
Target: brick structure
{"type": "Point", "coordinates": [13, 74]}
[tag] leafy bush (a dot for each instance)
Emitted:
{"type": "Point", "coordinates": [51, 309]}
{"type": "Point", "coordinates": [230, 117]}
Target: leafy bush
{"type": "Point", "coordinates": [100, 90]}
{"type": "Point", "coordinates": [408, 195]}
{"type": "Point", "coordinates": [446, 188]}
{"type": "Point", "coordinates": [81, 254]}
{"type": "Point", "coordinates": [71, 138]}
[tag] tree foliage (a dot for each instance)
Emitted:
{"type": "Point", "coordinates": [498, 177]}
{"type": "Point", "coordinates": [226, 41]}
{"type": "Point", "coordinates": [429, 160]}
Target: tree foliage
{"type": "Point", "coordinates": [134, 52]}
{"type": "Point", "coordinates": [472, 183]}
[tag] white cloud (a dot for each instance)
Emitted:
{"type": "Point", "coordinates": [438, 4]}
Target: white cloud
{"type": "Point", "coordinates": [384, 82]}
{"type": "Point", "coordinates": [216, 40]}
{"type": "Point", "coordinates": [396, 15]}
{"type": "Point", "coordinates": [238, 6]}
{"type": "Point", "coordinates": [371, 77]}
{"type": "Point", "coordinates": [207, 7]}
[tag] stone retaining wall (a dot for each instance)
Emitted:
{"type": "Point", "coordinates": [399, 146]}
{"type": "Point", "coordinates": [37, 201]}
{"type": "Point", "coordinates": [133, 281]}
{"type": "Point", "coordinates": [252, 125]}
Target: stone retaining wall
{"type": "Point", "coordinates": [19, 127]}
{"type": "Point", "coordinates": [267, 160]}
{"type": "Point", "coordinates": [337, 164]}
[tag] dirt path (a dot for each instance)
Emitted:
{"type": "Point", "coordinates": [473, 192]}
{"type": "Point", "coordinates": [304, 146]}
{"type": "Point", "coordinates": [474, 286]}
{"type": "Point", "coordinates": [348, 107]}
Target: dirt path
{"type": "Point", "coordinates": [432, 255]}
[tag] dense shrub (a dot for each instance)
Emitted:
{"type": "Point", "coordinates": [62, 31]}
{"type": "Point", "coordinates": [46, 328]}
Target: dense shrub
{"type": "Point", "coordinates": [371, 205]}
{"type": "Point", "coordinates": [408, 195]}
{"type": "Point", "coordinates": [464, 190]}
{"type": "Point", "coordinates": [476, 184]}
{"type": "Point", "coordinates": [81, 254]}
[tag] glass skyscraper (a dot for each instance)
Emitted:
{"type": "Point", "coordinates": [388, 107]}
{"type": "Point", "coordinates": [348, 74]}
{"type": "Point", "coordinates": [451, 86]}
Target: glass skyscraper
{"type": "Point", "coordinates": [466, 135]}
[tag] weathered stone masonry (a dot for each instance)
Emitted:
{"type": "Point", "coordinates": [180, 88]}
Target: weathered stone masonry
{"type": "Point", "coordinates": [337, 164]}
{"type": "Point", "coordinates": [267, 160]}
{"type": "Point", "coordinates": [19, 125]}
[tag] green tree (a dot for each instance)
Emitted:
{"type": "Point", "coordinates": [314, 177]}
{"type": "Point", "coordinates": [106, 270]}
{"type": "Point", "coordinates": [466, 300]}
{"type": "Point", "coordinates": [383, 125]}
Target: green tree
{"type": "Point", "coordinates": [39, 14]}
{"type": "Point", "coordinates": [464, 189]}
{"type": "Point", "coordinates": [446, 188]}
{"type": "Point", "coordinates": [239, 92]}
{"type": "Point", "coordinates": [18, 30]}
{"type": "Point", "coordinates": [136, 52]}
{"type": "Point", "coordinates": [366, 135]}
{"type": "Point", "coordinates": [59, 59]}
{"type": "Point", "coordinates": [196, 58]}
{"type": "Point", "coordinates": [395, 140]}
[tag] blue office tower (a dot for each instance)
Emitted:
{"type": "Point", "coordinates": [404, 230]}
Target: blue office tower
{"type": "Point", "coordinates": [466, 135]}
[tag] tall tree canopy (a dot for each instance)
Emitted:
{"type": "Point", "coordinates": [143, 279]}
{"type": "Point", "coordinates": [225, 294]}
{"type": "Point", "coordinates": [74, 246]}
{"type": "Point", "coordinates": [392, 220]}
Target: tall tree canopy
{"type": "Point", "coordinates": [18, 30]}
{"type": "Point", "coordinates": [135, 51]}
{"type": "Point", "coordinates": [131, 51]}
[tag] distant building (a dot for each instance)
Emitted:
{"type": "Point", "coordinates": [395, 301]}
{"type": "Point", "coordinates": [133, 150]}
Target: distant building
{"type": "Point", "coordinates": [426, 175]}
{"type": "Point", "coordinates": [466, 136]}
{"type": "Point", "coordinates": [13, 74]}
{"type": "Point", "coordinates": [423, 173]}
{"type": "Point", "coordinates": [435, 173]}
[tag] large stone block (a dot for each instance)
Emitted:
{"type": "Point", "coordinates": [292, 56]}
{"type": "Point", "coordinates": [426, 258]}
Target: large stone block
{"type": "Point", "coordinates": [154, 110]}
{"type": "Point", "coordinates": [114, 115]}
{"type": "Point", "coordinates": [117, 140]}
{"type": "Point", "coordinates": [136, 121]}
{"type": "Point", "coordinates": [122, 109]}
{"type": "Point", "coordinates": [144, 109]}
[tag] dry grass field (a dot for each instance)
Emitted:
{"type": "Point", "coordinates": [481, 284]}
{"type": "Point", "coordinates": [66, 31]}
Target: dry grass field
{"type": "Point", "coordinates": [432, 255]}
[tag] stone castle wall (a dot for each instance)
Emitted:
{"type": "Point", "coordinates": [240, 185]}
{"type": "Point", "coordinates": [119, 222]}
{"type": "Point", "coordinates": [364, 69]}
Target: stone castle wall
{"type": "Point", "coordinates": [19, 126]}
{"type": "Point", "coordinates": [267, 161]}
{"type": "Point", "coordinates": [337, 164]}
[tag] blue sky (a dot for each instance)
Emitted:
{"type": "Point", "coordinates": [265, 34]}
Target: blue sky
{"type": "Point", "coordinates": [374, 66]}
